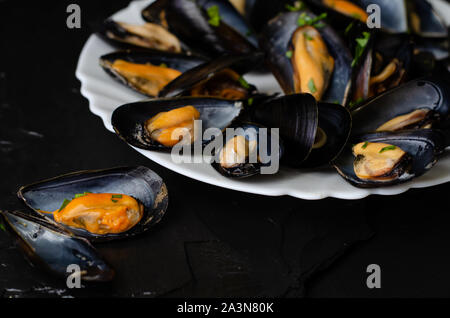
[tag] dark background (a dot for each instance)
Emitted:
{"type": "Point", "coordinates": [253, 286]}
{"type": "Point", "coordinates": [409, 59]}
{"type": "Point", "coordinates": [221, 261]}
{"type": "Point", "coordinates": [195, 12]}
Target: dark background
{"type": "Point", "coordinates": [212, 242]}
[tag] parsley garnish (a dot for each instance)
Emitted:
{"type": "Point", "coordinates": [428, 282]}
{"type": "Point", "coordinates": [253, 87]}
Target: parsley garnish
{"type": "Point", "coordinates": [163, 65]}
{"type": "Point", "coordinates": [64, 204]}
{"type": "Point", "coordinates": [388, 148]}
{"type": "Point", "coordinates": [361, 44]}
{"type": "Point", "coordinates": [2, 227]}
{"type": "Point", "coordinates": [365, 145]}
{"type": "Point", "coordinates": [348, 28]}
{"type": "Point", "coordinates": [305, 19]}
{"type": "Point", "coordinates": [250, 101]}
{"type": "Point", "coordinates": [115, 201]}
{"type": "Point", "coordinates": [312, 86]}
{"type": "Point", "coordinates": [243, 83]}
{"type": "Point", "coordinates": [308, 37]}
{"type": "Point", "coordinates": [289, 54]}
{"type": "Point", "coordinates": [356, 16]}
{"type": "Point", "coordinates": [214, 15]}
{"type": "Point", "coordinates": [118, 196]}
{"type": "Point", "coordinates": [355, 103]}
{"type": "Point", "coordinates": [298, 5]}
{"type": "Point", "coordinates": [79, 195]}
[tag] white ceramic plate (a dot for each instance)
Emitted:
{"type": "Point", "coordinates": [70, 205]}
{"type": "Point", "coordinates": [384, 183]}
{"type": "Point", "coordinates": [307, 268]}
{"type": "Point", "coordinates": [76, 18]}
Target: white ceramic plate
{"type": "Point", "coordinates": [105, 95]}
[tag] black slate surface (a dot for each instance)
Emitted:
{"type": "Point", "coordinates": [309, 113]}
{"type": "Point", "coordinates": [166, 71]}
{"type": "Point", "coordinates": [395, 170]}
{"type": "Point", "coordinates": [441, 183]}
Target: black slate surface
{"type": "Point", "coordinates": [212, 242]}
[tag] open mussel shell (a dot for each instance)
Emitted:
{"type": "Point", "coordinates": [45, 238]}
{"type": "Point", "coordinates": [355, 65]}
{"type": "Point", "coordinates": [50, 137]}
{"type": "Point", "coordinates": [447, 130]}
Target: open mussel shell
{"type": "Point", "coordinates": [139, 36]}
{"type": "Point", "coordinates": [276, 41]}
{"type": "Point", "coordinates": [50, 246]}
{"type": "Point", "coordinates": [138, 182]}
{"type": "Point", "coordinates": [204, 31]}
{"type": "Point", "coordinates": [259, 144]}
{"type": "Point", "coordinates": [387, 64]}
{"type": "Point", "coordinates": [179, 62]}
{"type": "Point", "coordinates": [422, 147]}
{"type": "Point", "coordinates": [333, 131]}
{"type": "Point", "coordinates": [393, 17]}
{"type": "Point", "coordinates": [431, 94]}
{"type": "Point", "coordinates": [296, 116]}
{"type": "Point", "coordinates": [182, 85]}
{"type": "Point", "coordinates": [129, 120]}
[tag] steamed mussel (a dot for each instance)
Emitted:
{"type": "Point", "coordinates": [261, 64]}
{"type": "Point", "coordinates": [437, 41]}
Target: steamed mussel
{"type": "Point", "coordinates": [163, 123]}
{"type": "Point", "coordinates": [211, 28]}
{"type": "Point", "coordinates": [421, 103]}
{"type": "Point", "coordinates": [144, 36]}
{"type": "Point", "coordinates": [247, 151]}
{"type": "Point", "coordinates": [147, 72]}
{"type": "Point", "coordinates": [54, 248]}
{"type": "Point", "coordinates": [307, 56]}
{"type": "Point", "coordinates": [388, 158]}
{"type": "Point", "coordinates": [100, 205]}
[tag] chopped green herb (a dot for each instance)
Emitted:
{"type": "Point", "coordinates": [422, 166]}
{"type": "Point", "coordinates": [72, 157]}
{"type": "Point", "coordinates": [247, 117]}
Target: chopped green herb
{"type": "Point", "coordinates": [289, 54]}
{"type": "Point", "coordinates": [214, 15]}
{"type": "Point", "coordinates": [365, 145]}
{"type": "Point", "coordinates": [355, 103]}
{"type": "Point", "coordinates": [243, 83]}
{"type": "Point", "coordinates": [336, 102]}
{"type": "Point", "coordinates": [117, 196]}
{"type": "Point", "coordinates": [248, 33]}
{"type": "Point", "coordinates": [308, 37]}
{"type": "Point", "coordinates": [298, 5]}
{"type": "Point", "coordinates": [312, 86]}
{"type": "Point", "coordinates": [115, 201]}
{"type": "Point", "coordinates": [79, 195]}
{"type": "Point", "coordinates": [348, 28]}
{"type": "Point", "coordinates": [64, 204]}
{"type": "Point", "coordinates": [250, 101]}
{"type": "Point", "coordinates": [305, 19]}
{"type": "Point", "coordinates": [388, 148]}
{"type": "Point", "coordinates": [356, 16]}
{"type": "Point", "coordinates": [2, 227]}
{"type": "Point", "coordinates": [361, 44]}
{"type": "Point", "coordinates": [163, 65]}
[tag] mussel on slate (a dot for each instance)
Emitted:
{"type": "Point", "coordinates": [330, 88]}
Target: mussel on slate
{"type": "Point", "coordinates": [54, 248]}
{"type": "Point", "coordinates": [100, 205]}
{"type": "Point", "coordinates": [147, 72]}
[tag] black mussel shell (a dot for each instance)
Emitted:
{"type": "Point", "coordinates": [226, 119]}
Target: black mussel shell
{"type": "Point", "coordinates": [114, 34]}
{"type": "Point", "coordinates": [129, 120]}
{"type": "Point", "coordinates": [182, 85]}
{"type": "Point", "coordinates": [426, 93]}
{"type": "Point", "coordinates": [260, 12]}
{"type": "Point", "coordinates": [425, 21]}
{"type": "Point", "coordinates": [276, 40]}
{"type": "Point", "coordinates": [191, 23]}
{"type": "Point", "coordinates": [251, 132]}
{"type": "Point", "coordinates": [179, 62]}
{"type": "Point", "coordinates": [335, 122]}
{"type": "Point", "coordinates": [138, 182]}
{"type": "Point", "coordinates": [393, 17]}
{"type": "Point", "coordinates": [296, 116]}
{"type": "Point", "coordinates": [382, 51]}
{"type": "Point", "coordinates": [50, 246]}
{"type": "Point", "coordinates": [422, 147]}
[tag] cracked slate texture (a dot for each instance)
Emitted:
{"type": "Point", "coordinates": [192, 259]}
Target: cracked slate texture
{"type": "Point", "coordinates": [212, 242]}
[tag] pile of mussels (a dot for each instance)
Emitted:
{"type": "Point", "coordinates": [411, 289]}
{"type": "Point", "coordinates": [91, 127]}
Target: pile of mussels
{"type": "Point", "coordinates": [373, 102]}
